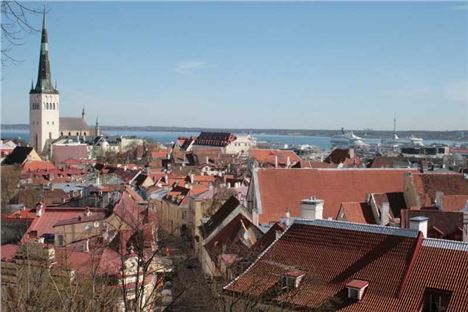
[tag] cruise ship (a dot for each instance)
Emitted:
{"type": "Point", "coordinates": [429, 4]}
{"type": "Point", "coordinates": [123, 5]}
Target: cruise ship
{"type": "Point", "coordinates": [347, 139]}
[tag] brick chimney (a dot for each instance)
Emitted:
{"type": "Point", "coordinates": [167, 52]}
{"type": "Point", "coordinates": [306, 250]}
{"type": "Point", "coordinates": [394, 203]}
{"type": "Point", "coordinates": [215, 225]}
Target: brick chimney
{"type": "Point", "coordinates": [312, 208]}
{"type": "Point", "coordinates": [419, 224]}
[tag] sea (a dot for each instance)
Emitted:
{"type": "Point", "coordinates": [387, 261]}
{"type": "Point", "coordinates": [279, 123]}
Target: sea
{"type": "Point", "coordinates": [166, 137]}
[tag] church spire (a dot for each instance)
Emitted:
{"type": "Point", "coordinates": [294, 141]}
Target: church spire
{"type": "Point", "coordinates": [44, 79]}
{"type": "Point", "coordinates": [97, 129]}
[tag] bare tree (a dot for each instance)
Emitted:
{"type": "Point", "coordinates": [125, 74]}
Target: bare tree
{"type": "Point", "coordinates": [15, 26]}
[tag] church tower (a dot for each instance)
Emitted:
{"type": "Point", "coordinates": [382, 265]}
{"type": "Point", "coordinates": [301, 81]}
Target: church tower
{"type": "Point", "coordinates": [44, 101]}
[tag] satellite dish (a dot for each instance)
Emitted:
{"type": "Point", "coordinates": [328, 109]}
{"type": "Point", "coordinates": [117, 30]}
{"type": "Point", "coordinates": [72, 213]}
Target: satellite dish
{"type": "Point", "coordinates": [96, 224]}
{"type": "Point", "coordinates": [88, 228]}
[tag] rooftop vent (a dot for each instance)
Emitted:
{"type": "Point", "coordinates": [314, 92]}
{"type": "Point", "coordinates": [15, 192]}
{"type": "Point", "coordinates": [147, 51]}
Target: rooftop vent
{"type": "Point", "coordinates": [356, 289]}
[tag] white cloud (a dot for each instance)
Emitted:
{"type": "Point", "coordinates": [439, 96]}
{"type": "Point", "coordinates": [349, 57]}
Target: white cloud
{"type": "Point", "coordinates": [457, 91]}
{"type": "Point", "coordinates": [189, 67]}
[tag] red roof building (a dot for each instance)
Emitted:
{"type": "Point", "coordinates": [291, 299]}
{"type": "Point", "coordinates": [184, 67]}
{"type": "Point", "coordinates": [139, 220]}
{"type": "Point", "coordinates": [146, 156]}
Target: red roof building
{"type": "Point", "coordinates": [273, 191]}
{"type": "Point", "coordinates": [267, 158]}
{"type": "Point", "coordinates": [396, 269]}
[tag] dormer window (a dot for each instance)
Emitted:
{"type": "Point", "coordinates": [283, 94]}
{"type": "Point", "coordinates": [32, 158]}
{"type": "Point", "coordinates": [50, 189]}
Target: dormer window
{"type": "Point", "coordinates": [356, 289]}
{"type": "Point", "coordinates": [436, 300]}
{"type": "Point", "coordinates": [292, 279]}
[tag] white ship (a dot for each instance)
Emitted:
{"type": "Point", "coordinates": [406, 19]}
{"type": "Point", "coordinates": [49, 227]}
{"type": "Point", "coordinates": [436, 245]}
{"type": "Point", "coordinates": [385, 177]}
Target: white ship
{"type": "Point", "coordinates": [395, 143]}
{"type": "Point", "coordinates": [347, 139]}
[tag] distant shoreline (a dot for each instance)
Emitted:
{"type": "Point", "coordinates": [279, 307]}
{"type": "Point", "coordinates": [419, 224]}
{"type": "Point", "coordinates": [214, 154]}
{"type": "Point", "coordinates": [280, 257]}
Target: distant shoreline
{"type": "Point", "coordinates": [455, 135]}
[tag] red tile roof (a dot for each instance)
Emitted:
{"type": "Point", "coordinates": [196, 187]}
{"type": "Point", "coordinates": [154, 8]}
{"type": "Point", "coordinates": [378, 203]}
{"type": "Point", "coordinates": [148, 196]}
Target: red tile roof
{"type": "Point", "coordinates": [281, 189]}
{"type": "Point", "coordinates": [358, 212]}
{"type": "Point", "coordinates": [440, 265]}
{"type": "Point", "coordinates": [214, 138]}
{"type": "Point", "coordinates": [8, 251]}
{"type": "Point", "coordinates": [51, 216]}
{"type": "Point", "coordinates": [332, 254]}
{"type": "Point", "coordinates": [342, 156]}
{"type": "Point", "coordinates": [218, 217]}
{"type": "Point", "coordinates": [161, 154]}
{"type": "Point", "coordinates": [441, 224]}
{"type": "Point", "coordinates": [427, 184]}
{"type": "Point", "coordinates": [227, 240]}
{"type": "Point", "coordinates": [268, 157]}
{"type": "Point", "coordinates": [60, 153]}
{"type": "Point", "coordinates": [454, 202]}
{"type": "Point", "coordinates": [38, 165]}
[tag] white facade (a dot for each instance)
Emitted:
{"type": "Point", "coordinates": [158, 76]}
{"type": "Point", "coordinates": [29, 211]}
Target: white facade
{"type": "Point", "coordinates": [43, 119]}
{"type": "Point", "coordinates": [241, 145]}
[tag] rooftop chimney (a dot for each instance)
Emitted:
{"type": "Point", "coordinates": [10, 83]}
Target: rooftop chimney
{"type": "Point", "coordinates": [288, 162]}
{"type": "Point", "coordinates": [465, 226]}
{"type": "Point", "coordinates": [39, 209]}
{"type": "Point", "coordinates": [312, 208]}
{"type": "Point", "coordinates": [384, 211]}
{"type": "Point", "coordinates": [419, 224]}
{"type": "Point", "coordinates": [276, 161]}
{"type": "Point", "coordinates": [287, 218]}
{"type": "Point", "coordinates": [439, 200]}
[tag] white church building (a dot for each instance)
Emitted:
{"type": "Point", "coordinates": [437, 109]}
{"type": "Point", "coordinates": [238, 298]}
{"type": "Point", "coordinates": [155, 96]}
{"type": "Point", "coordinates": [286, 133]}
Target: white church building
{"type": "Point", "coordinates": [45, 124]}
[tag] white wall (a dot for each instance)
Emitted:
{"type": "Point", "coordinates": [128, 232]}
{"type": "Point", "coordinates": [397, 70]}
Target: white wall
{"type": "Point", "coordinates": [43, 119]}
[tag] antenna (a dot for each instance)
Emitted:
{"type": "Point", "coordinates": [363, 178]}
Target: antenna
{"type": "Point", "coordinates": [394, 123]}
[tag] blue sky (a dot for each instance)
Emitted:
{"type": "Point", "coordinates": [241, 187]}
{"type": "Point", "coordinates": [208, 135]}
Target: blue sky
{"type": "Point", "coordinates": [259, 65]}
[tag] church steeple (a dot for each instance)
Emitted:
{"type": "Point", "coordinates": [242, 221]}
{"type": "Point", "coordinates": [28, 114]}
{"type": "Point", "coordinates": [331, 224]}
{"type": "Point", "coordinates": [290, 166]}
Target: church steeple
{"type": "Point", "coordinates": [44, 78]}
{"type": "Point", "coordinates": [97, 129]}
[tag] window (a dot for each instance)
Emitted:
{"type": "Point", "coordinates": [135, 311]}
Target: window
{"type": "Point", "coordinates": [436, 300]}
{"type": "Point", "coordinates": [47, 123]}
{"type": "Point", "coordinates": [61, 133]}
{"type": "Point", "coordinates": [53, 105]}
{"type": "Point", "coordinates": [77, 133]}
{"type": "Point", "coordinates": [84, 133]}
{"type": "Point", "coordinates": [50, 135]}
{"type": "Point", "coordinates": [69, 133]}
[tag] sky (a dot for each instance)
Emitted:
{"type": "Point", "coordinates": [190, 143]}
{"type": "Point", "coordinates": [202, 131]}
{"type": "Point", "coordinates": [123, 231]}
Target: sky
{"type": "Point", "coordinates": [291, 65]}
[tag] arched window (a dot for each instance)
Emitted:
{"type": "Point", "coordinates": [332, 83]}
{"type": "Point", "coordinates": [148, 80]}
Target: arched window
{"type": "Point", "coordinates": [61, 133]}
{"type": "Point", "coordinates": [37, 142]}
{"type": "Point", "coordinates": [50, 135]}
{"type": "Point", "coordinates": [69, 133]}
{"type": "Point", "coordinates": [77, 133]}
{"type": "Point", "coordinates": [54, 105]}
{"type": "Point", "coordinates": [84, 133]}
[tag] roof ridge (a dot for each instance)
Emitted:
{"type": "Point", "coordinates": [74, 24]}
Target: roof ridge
{"type": "Point", "coordinates": [370, 228]}
{"type": "Point", "coordinates": [445, 244]}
